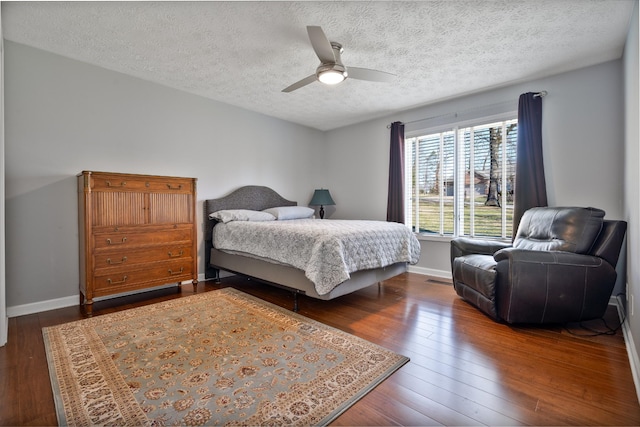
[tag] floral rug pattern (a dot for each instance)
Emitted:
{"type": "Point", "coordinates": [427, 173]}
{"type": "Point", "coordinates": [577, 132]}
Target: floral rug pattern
{"type": "Point", "coordinates": [218, 358]}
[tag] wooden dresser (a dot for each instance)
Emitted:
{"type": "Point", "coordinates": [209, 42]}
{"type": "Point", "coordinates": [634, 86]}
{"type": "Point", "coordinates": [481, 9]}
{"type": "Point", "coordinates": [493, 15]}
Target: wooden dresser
{"type": "Point", "coordinates": [136, 232]}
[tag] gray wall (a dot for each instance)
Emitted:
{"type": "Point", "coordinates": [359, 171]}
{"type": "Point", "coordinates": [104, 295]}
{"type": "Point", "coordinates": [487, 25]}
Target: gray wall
{"type": "Point", "coordinates": [632, 186]}
{"type": "Point", "coordinates": [64, 116]}
{"type": "Point", "coordinates": [4, 324]}
{"type": "Point", "coordinates": [583, 138]}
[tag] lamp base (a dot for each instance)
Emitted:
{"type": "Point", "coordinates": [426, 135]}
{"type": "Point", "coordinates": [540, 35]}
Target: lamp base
{"type": "Point", "coordinates": [321, 212]}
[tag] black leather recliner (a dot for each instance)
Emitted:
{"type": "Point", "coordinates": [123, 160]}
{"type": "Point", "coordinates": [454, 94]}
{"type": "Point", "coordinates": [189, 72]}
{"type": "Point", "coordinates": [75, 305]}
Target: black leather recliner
{"type": "Point", "coordinates": [560, 267]}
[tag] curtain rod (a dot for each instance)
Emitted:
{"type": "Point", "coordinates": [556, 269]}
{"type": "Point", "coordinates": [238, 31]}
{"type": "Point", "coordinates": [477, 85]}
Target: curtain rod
{"type": "Point", "coordinates": [540, 94]}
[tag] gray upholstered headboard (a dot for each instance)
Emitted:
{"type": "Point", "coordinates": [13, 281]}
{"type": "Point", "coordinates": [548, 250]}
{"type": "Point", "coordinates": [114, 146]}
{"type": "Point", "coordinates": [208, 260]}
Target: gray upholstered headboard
{"type": "Point", "coordinates": [253, 197]}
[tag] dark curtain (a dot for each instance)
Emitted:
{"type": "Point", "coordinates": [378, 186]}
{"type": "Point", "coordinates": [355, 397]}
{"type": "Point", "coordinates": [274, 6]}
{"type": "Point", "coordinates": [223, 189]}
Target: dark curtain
{"type": "Point", "coordinates": [395, 199]}
{"type": "Point", "coordinates": [530, 188]}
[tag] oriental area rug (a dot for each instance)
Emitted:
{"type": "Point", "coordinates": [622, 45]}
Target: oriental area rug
{"type": "Point", "coordinates": [218, 358]}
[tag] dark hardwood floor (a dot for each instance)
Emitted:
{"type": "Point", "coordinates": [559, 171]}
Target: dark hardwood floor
{"type": "Point", "coordinates": [465, 369]}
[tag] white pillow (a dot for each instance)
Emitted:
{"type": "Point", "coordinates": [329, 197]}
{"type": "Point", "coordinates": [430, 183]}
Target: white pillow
{"type": "Point", "coordinates": [290, 212]}
{"type": "Point", "coordinates": [241, 215]}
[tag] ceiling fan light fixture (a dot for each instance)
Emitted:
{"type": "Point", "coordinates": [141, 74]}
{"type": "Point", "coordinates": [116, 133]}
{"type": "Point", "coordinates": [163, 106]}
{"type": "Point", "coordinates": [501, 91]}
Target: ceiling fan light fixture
{"type": "Point", "coordinates": [331, 74]}
{"type": "Point", "coordinates": [332, 77]}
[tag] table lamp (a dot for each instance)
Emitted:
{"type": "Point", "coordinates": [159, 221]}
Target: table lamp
{"type": "Point", "coordinates": [323, 198]}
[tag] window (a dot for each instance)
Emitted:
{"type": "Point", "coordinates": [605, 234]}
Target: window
{"type": "Point", "coordinates": [460, 180]}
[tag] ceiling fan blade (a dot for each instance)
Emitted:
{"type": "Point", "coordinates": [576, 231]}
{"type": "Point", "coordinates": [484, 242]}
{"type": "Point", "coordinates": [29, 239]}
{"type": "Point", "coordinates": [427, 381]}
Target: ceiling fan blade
{"type": "Point", "coordinates": [371, 75]}
{"type": "Point", "coordinates": [321, 44]}
{"type": "Point", "coordinates": [297, 85]}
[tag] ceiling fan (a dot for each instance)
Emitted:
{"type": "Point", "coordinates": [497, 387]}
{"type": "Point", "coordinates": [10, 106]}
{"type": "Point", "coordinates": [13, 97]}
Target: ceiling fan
{"type": "Point", "coordinates": [331, 71]}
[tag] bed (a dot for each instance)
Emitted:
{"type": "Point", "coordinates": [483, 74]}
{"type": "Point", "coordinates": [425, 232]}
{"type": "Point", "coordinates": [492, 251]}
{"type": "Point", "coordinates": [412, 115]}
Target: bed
{"type": "Point", "coordinates": [325, 285]}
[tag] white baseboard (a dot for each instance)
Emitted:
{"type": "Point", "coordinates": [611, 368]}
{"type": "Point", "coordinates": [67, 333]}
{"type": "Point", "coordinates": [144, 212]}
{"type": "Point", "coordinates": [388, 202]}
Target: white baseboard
{"type": "Point", "coordinates": [443, 274]}
{"type": "Point", "coordinates": [4, 334]}
{"type": "Point", "coordinates": [37, 307]}
{"type": "Point", "coordinates": [40, 306]}
{"type": "Point", "coordinates": [634, 360]}
{"type": "Point", "coordinates": [52, 304]}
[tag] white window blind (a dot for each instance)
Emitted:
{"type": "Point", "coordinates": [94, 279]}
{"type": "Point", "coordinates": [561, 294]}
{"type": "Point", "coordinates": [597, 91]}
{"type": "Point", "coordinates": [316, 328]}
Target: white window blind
{"type": "Point", "coordinates": [460, 180]}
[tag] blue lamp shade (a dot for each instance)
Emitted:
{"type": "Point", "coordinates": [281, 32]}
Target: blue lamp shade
{"type": "Point", "coordinates": [322, 198]}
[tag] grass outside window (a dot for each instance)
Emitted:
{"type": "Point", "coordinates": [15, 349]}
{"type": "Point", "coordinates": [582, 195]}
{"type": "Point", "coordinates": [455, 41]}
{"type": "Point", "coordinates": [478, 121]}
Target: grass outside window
{"type": "Point", "coordinates": [488, 219]}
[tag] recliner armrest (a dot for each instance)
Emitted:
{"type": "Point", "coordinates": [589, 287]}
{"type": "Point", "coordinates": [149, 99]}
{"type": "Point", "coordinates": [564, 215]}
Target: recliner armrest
{"type": "Point", "coordinates": [467, 246]}
{"type": "Point", "coordinates": [547, 257]}
{"type": "Point", "coordinates": [551, 287]}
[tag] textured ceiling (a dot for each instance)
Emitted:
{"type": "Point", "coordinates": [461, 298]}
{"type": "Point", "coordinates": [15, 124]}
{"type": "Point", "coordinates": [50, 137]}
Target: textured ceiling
{"type": "Point", "coordinates": [245, 53]}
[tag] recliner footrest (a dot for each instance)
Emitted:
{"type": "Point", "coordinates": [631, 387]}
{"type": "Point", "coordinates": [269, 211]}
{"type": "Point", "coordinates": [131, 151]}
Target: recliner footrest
{"type": "Point", "coordinates": [474, 279]}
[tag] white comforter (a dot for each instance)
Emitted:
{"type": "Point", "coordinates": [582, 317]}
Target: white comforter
{"type": "Point", "coordinates": [326, 250]}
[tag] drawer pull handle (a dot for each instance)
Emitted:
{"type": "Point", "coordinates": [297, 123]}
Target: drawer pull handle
{"type": "Point", "coordinates": [173, 273]}
{"type": "Point", "coordinates": [111, 282]}
{"type": "Point", "coordinates": [171, 187]}
{"type": "Point", "coordinates": [109, 242]}
{"type": "Point", "coordinates": [109, 261]}
{"type": "Point", "coordinates": [178, 255]}
{"type": "Point", "coordinates": [122, 184]}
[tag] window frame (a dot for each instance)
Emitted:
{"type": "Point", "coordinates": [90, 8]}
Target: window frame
{"type": "Point", "coordinates": [459, 185]}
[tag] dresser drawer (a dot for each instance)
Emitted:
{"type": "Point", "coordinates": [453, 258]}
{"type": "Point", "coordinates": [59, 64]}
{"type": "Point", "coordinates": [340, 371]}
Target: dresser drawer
{"type": "Point", "coordinates": [121, 279]}
{"type": "Point", "coordinates": [119, 183]}
{"type": "Point", "coordinates": [123, 257]}
{"type": "Point", "coordinates": [132, 239]}
{"type": "Point", "coordinates": [116, 183]}
{"type": "Point", "coordinates": [170, 186]}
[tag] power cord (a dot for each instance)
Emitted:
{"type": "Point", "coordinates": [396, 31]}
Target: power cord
{"type": "Point", "coordinates": [595, 332]}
